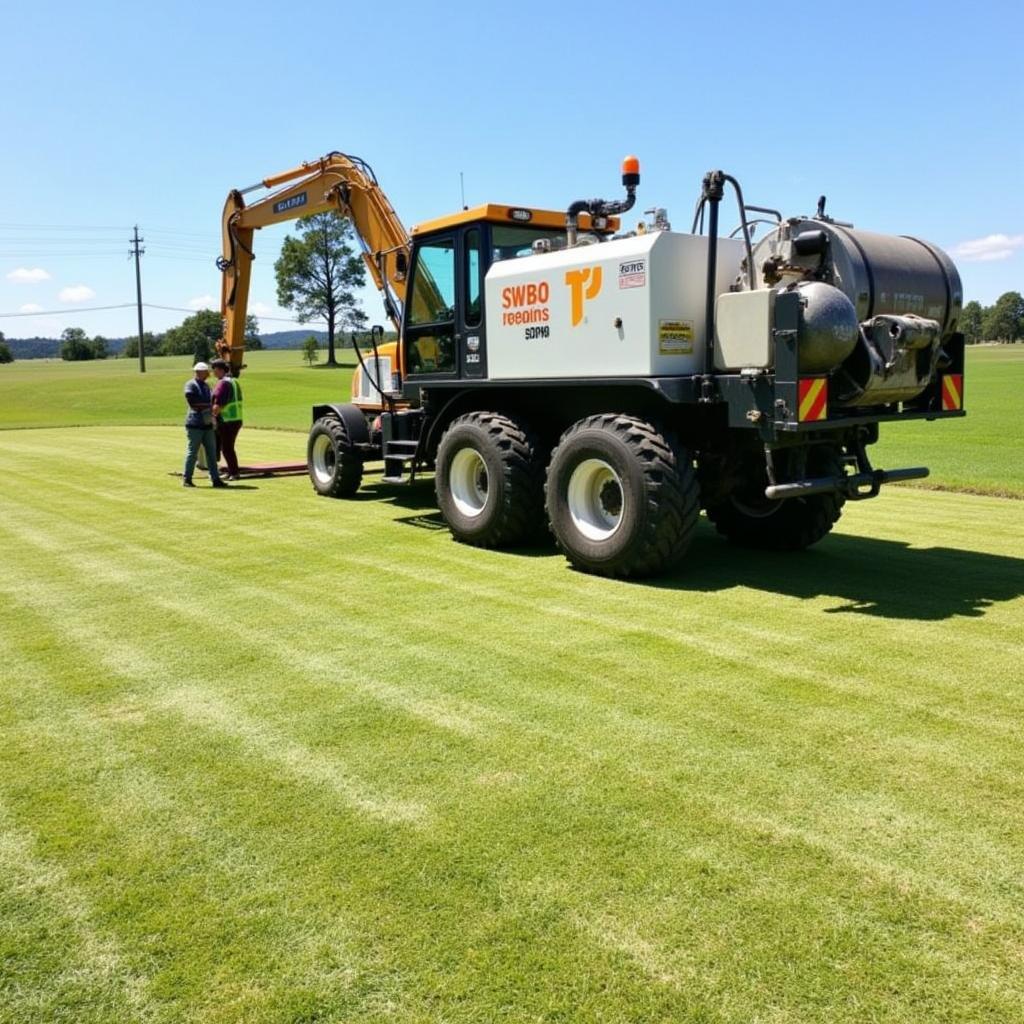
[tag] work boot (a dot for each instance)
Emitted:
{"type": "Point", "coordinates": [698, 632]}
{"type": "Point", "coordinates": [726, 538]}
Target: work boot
{"type": "Point", "coordinates": [187, 483]}
{"type": "Point", "coordinates": [218, 483]}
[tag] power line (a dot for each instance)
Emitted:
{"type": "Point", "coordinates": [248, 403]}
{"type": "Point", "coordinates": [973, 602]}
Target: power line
{"type": "Point", "coordinates": [69, 312]}
{"type": "Point", "coordinates": [259, 316]}
{"type": "Point", "coordinates": [63, 227]}
{"type": "Point", "coordinates": [148, 305]}
{"type": "Point", "coordinates": [66, 240]}
{"type": "Point", "coordinates": [59, 255]}
{"type": "Point", "coordinates": [184, 234]}
{"type": "Point", "coordinates": [208, 260]}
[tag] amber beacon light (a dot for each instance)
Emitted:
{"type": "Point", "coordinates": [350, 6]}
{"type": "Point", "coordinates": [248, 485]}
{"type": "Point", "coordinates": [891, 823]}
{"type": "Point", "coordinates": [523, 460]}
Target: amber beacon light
{"type": "Point", "coordinates": [631, 171]}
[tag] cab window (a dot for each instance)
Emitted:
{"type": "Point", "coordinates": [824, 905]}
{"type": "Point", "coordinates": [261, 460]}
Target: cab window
{"type": "Point", "coordinates": [511, 241]}
{"type": "Point", "coordinates": [433, 286]}
{"type": "Point", "coordinates": [473, 277]}
{"type": "Point", "coordinates": [432, 352]}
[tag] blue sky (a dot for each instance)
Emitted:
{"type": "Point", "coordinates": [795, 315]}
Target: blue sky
{"type": "Point", "coordinates": [907, 115]}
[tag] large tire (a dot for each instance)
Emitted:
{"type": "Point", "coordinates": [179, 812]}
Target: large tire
{"type": "Point", "coordinates": [751, 520]}
{"type": "Point", "coordinates": [335, 467]}
{"type": "Point", "coordinates": [489, 480]}
{"type": "Point", "coordinates": [622, 498]}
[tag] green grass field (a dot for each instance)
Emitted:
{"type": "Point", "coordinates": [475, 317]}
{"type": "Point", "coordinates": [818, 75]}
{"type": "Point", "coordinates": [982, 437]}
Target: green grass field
{"type": "Point", "coordinates": [977, 453]}
{"type": "Point", "coordinates": [271, 758]}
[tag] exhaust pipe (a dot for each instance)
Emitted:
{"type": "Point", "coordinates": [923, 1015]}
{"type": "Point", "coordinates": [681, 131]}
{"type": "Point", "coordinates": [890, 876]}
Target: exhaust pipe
{"type": "Point", "coordinates": [604, 208]}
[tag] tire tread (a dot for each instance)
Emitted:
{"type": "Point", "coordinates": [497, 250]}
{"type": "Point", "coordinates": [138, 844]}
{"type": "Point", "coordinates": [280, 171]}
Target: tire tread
{"type": "Point", "coordinates": [673, 494]}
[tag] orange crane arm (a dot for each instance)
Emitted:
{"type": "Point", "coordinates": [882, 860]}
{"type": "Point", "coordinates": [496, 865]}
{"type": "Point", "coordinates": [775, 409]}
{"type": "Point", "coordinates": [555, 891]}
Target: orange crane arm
{"type": "Point", "coordinates": [345, 184]}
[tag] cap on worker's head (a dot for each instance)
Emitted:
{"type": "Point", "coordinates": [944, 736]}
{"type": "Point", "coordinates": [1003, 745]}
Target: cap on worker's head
{"type": "Point", "coordinates": [201, 366]}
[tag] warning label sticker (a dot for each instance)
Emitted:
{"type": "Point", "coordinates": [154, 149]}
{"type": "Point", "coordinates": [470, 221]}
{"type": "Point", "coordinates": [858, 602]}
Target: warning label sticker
{"type": "Point", "coordinates": [633, 274]}
{"type": "Point", "coordinates": [675, 337]}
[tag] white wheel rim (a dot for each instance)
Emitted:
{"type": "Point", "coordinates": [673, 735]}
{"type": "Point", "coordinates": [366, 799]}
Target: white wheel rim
{"type": "Point", "coordinates": [323, 458]}
{"type": "Point", "coordinates": [595, 499]}
{"type": "Point", "coordinates": [468, 482]}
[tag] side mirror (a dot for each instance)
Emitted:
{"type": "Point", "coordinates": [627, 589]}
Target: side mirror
{"type": "Point", "coordinates": [401, 262]}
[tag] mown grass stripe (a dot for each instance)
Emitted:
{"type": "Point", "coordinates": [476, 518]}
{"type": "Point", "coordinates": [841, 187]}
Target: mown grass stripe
{"type": "Point", "coordinates": [119, 660]}
{"type": "Point", "coordinates": [93, 974]}
{"type": "Point", "coordinates": [631, 828]}
{"type": "Point", "coordinates": [851, 714]}
{"type": "Point", "coordinates": [980, 858]}
{"type": "Point", "coordinates": [164, 840]}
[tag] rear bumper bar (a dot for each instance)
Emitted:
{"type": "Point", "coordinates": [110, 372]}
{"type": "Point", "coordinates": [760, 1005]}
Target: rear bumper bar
{"type": "Point", "coordinates": [855, 487]}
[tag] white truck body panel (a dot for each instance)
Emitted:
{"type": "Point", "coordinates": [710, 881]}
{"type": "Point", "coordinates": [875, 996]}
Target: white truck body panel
{"type": "Point", "coordinates": [633, 307]}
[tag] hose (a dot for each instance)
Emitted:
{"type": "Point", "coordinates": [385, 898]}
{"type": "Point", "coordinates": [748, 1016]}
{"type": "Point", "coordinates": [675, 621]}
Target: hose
{"type": "Point", "coordinates": [746, 227]}
{"type": "Point", "coordinates": [385, 399]}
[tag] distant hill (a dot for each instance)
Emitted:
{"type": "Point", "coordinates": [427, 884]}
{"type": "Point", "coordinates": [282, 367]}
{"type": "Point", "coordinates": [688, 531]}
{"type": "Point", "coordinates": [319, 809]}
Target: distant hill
{"type": "Point", "coordinates": [291, 339]}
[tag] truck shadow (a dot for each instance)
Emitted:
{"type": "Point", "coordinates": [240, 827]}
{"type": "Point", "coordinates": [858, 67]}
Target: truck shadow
{"type": "Point", "coordinates": [866, 575]}
{"type": "Point", "coordinates": [887, 578]}
{"type": "Point", "coordinates": [416, 497]}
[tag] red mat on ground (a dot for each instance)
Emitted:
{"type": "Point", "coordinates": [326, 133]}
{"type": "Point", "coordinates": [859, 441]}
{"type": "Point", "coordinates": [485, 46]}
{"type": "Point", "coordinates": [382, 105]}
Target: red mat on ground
{"type": "Point", "coordinates": [269, 468]}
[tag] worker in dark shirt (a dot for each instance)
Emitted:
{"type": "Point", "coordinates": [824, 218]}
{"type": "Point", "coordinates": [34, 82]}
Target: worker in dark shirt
{"type": "Point", "coordinates": [227, 414]}
{"type": "Point", "coordinates": [199, 426]}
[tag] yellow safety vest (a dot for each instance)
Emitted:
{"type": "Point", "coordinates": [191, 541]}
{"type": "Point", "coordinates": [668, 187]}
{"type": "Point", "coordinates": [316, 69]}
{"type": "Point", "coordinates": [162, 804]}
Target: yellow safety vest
{"type": "Point", "coordinates": [232, 412]}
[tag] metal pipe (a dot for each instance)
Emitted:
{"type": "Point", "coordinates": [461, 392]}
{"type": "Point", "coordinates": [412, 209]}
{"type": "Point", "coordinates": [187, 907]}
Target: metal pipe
{"type": "Point", "coordinates": [766, 209]}
{"type": "Point", "coordinates": [848, 485]}
{"type": "Point", "coordinates": [713, 189]}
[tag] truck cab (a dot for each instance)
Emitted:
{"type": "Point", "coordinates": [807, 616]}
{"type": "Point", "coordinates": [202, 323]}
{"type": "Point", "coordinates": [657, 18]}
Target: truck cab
{"type": "Point", "coordinates": [444, 331]}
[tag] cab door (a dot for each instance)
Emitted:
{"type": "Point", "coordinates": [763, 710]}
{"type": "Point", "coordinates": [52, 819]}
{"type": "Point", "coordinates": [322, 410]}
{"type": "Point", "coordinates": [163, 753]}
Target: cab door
{"type": "Point", "coordinates": [431, 324]}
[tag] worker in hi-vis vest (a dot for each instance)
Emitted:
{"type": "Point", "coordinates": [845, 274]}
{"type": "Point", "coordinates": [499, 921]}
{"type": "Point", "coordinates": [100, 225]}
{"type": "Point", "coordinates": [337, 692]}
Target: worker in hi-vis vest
{"type": "Point", "coordinates": [227, 412]}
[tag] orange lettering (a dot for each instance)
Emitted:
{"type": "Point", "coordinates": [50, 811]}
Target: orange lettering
{"type": "Point", "coordinates": [576, 279]}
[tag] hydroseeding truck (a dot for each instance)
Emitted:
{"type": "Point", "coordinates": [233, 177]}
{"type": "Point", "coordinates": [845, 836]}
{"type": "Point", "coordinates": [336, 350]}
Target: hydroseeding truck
{"type": "Point", "coordinates": [559, 373]}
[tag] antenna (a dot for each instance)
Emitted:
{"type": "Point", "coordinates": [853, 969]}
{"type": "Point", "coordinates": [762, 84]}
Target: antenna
{"type": "Point", "coordinates": [462, 187]}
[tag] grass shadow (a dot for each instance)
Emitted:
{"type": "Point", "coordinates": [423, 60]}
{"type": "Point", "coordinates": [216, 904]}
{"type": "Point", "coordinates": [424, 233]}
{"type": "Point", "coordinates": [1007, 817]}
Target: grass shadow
{"type": "Point", "coordinates": [887, 578]}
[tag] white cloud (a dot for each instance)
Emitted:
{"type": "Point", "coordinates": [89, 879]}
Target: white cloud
{"type": "Point", "coordinates": [76, 293]}
{"type": "Point", "coordinates": [261, 309]}
{"type": "Point", "coordinates": [25, 276]}
{"type": "Point", "coordinates": [201, 302]}
{"type": "Point", "coordinates": [991, 247]}
{"type": "Point", "coordinates": [30, 307]}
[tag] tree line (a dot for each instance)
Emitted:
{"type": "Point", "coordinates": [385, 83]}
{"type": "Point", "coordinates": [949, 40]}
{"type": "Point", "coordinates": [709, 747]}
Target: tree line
{"type": "Point", "coordinates": [195, 336]}
{"type": "Point", "coordinates": [1002, 321]}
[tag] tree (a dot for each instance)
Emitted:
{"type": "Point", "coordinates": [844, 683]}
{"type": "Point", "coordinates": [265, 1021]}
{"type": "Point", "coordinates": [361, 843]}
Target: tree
{"type": "Point", "coordinates": [99, 347]}
{"type": "Point", "coordinates": [971, 322]}
{"type": "Point", "coordinates": [252, 334]}
{"type": "Point", "coordinates": [311, 350]}
{"type": "Point", "coordinates": [6, 355]}
{"type": "Point", "coordinates": [317, 272]}
{"type": "Point", "coordinates": [75, 346]}
{"type": "Point", "coordinates": [1005, 320]}
{"type": "Point", "coordinates": [150, 341]}
{"type": "Point", "coordinates": [197, 336]}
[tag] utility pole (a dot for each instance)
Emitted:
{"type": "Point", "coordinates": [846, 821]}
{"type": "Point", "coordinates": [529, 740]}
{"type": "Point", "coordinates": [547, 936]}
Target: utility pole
{"type": "Point", "coordinates": [137, 252]}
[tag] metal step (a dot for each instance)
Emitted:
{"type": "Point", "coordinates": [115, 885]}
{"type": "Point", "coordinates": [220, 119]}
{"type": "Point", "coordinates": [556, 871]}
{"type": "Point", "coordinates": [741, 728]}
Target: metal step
{"type": "Point", "coordinates": [401, 448]}
{"type": "Point", "coordinates": [394, 468]}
